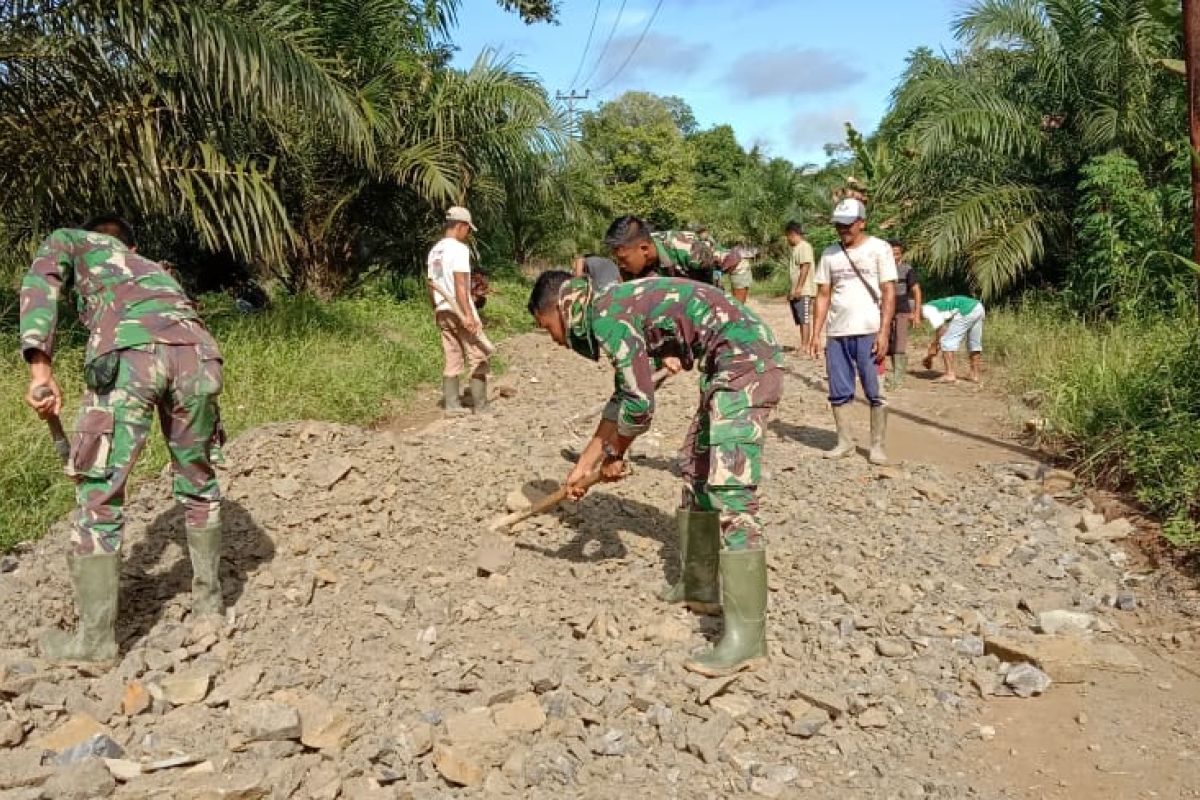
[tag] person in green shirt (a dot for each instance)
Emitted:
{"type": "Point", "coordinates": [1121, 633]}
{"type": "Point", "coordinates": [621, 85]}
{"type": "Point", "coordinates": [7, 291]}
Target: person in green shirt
{"type": "Point", "coordinates": [954, 319]}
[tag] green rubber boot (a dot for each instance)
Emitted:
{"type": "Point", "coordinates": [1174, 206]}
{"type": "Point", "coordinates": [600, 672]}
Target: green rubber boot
{"type": "Point", "coordinates": [845, 440]}
{"type": "Point", "coordinates": [743, 643]}
{"type": "Point", "coordinates": [899, 370]}
{"type": "Point", "coordinates": [479, 397]}
{"type": "Point", "coordinates": [699, 544]}
{"type": "Point", "coordinates": [95, 578]}
{"type": "Point", "coordinates": [878, 435]}
{"type": "Point", "coordinates": [450, 399]}
{"type": "Point", "coordinates": [204, 547]}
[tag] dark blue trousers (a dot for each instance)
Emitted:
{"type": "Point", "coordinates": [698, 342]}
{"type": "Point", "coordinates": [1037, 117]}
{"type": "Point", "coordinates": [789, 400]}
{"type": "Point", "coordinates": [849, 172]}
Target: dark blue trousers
{"type": "Point", "coordinates": [845, 356]}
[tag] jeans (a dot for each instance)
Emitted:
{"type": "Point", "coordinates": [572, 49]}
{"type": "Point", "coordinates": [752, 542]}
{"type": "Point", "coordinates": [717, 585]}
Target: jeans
{"type": "Point", "coordinates": [845, 355]}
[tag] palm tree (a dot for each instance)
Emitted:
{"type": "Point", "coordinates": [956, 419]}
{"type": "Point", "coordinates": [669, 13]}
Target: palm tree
{"type": "Point", "coordinates": [993, 139]}
{"type": "Point", "coordinates": [157, 107]}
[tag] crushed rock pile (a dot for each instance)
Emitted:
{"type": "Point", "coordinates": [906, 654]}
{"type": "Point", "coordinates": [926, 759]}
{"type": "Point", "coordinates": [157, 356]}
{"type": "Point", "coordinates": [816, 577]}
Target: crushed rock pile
{"type": "Point", "coordinates": [381, 644]}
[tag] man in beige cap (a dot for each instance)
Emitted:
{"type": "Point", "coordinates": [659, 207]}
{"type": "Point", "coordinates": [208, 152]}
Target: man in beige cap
{"type": "Point", "coordinates": [450, 272]}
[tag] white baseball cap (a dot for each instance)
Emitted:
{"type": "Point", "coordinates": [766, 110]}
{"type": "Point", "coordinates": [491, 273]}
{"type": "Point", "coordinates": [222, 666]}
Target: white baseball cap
{"type": "Point", "coordinates": [460, 214]}
{"type": "Point", "coordinates": [849, 211]}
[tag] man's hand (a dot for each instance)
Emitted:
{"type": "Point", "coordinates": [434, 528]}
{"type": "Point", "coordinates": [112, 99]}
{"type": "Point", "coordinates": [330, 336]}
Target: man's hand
{"type": "Point", "coordinates": [880, 348]}
{"type": "Point", "coordinates": [615, 470]}
{"type": "Point", "coordinates": [672, 365]}
{"type": "Point", "coordinates": [576, 488]}
{"type": "Point", "coordinates": [815, 345]}
{"type": "Point", "coordinates": [41, 374]}
{"type": "Point", "coordinates": [472, 325]}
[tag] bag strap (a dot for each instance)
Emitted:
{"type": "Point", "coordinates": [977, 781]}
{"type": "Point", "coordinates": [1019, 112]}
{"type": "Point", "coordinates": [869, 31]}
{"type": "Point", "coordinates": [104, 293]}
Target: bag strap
{"type": "Point", "coordinates": [870, 289]}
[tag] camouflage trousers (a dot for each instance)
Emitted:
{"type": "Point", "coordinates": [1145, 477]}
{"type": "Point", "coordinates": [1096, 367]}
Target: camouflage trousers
{"type": "Point", "coordinates": [178, 382]}
{"type": "Point", "coordinates": [722, 453]}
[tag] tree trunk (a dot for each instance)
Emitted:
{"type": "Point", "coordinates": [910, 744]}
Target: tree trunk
{"type": "Point", "coordinates": [1191, 54]}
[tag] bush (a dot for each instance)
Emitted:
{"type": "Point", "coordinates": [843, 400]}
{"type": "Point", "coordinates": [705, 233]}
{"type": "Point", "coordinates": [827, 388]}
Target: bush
{"type": "Point", "coordinates": [1122, 401]}
{"type": "Point", "coordinates": [353, 360]}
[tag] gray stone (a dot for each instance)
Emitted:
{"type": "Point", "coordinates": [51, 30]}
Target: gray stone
{"type": "Point", "coordinates": [545, 676]}
{"type": "Point", "coordinates": [1126, 601]}
{"type": "Point", "coordinates": [704, 738]}
{"type": "Point", "coordinates": [613, 743]}
{"type": "Point", "coordinates": [1026, 680]}
{"type": "Point", "coordinates": [495, 555]}
{"type": "Point", "coordinates": [12, 733]}
{"type": "Point", "coordinates": [99, 746]}
{"type": "Point", "coordinates": [835, 705]}
{"type": "Point", "coordinates": [267, 721]}
{"type": "Point", "coordinates": [1064, 621]}
{"type": "Point", "coordinates": [969, 646]}
{"type": "Point", "coordinates": [87, 780]}
{"type": "Point", "coordinates": [893, 648]}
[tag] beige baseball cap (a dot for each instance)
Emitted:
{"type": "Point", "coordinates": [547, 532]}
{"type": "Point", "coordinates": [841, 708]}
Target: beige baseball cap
{"type": "Point", "coordinates": [460, 214]}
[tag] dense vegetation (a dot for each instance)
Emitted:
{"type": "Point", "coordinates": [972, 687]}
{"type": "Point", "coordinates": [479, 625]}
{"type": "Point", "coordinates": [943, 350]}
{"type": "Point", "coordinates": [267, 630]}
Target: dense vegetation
{"type": "Point", "coordinates": [1043, 165]}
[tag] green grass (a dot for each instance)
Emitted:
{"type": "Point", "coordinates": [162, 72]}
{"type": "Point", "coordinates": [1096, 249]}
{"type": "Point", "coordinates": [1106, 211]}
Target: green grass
{"type": "Point", "coordinates": [1122, 401]}
{"type": "Point", "coordinates": [352, 360]}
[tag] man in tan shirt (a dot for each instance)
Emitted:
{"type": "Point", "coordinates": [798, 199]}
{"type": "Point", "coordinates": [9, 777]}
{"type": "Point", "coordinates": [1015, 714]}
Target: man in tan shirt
{"type": "Point", "coordinates": [802, 281]}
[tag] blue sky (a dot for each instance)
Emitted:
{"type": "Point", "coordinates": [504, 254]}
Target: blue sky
{"type": "Point", "coordinates": [784, 73]}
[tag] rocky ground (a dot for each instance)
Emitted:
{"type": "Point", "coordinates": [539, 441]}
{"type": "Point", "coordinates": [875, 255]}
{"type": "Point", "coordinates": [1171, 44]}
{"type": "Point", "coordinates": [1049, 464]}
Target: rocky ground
{"type": "Point", "coordinates": [380, 643]}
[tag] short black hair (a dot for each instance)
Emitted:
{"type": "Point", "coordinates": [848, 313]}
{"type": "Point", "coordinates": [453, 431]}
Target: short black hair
{"type": "Point", "coordinates": [627, 230]}
{"type": "Point", "coordinates": [898, 243]}
{"type": "Point", "coordinates": [793, 227]}
{"type": "Point", "coordinates": [112, 225]}
{"type": "Point", "coordinates": [545, 291]}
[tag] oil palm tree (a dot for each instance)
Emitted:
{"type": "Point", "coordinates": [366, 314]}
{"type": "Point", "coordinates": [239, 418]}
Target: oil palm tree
{"type": "Point", "coordinates": [993, 139]}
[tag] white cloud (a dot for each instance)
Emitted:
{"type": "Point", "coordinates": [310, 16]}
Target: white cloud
{"type": "Point", "coordinates": [658, 54]}
{"type": "Point", "coordinates": [812, 130]}
{"type": "Point", "coordinates": [791, 73]}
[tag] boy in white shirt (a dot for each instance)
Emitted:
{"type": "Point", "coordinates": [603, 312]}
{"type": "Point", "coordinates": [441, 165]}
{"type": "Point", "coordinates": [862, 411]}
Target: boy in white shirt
{"type": "Point", "coordinates": [450, 270]}
{"type": "Point", "coordinates": [856, 299]}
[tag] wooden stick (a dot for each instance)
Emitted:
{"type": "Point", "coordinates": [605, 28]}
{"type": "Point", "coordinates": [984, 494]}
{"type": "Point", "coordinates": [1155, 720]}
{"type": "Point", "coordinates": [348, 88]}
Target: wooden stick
{"type": "Point", "coordinates": [541, 506]}
{"type": "Point", "coordinates": [480, 338]}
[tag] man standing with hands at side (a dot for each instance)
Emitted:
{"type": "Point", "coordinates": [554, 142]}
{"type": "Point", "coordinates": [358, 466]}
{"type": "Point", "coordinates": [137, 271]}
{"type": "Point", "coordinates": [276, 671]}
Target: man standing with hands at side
{"type": "Point", "coordinates": [449, 275]}
{"type": "Point", "coordinates": [856, 296]}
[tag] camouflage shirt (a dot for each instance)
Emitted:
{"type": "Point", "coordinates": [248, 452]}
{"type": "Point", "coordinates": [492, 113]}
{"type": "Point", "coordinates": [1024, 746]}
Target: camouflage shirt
{"type": "Point", "coordinates": [679, 256]}
{"type": "Point", "coordinates": [638, 324]}
{"type": "Point", "coordinates": [123, 299]}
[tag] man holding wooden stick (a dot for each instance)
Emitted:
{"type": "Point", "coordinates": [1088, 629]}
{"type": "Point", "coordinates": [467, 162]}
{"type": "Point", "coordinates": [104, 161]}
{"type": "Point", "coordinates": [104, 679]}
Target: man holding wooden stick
{"type": "Point", "coordinates": [463, 341]}
{"type": "Point", "coordinates": [657, 322]}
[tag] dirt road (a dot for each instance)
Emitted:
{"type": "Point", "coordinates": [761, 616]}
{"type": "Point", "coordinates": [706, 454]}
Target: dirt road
{"type": "Point", "coordinates": [382, 645]}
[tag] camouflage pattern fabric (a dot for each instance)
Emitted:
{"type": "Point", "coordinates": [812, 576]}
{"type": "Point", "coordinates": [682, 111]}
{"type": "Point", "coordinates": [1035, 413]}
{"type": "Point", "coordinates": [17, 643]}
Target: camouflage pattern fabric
{"type": "Point", "coordinates": [680, 256]}
{"type": "Point", "coordinates": [143, 326]}
{"type": "Point", "coordinates": [721, 459]}
{"type": "Point", "coordinates": [636, 325]}
{"type": "Point", "coordinates": [124, 300]}
{"type": "Point", "coordinates": [179, 382]}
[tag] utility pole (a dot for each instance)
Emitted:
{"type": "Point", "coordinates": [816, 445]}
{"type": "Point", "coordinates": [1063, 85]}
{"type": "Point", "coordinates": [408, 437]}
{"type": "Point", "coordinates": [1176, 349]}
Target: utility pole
{"type": "Point", "coordinates": [570, 99]}
{"type": "Point", "coordinates": [1191, 56]}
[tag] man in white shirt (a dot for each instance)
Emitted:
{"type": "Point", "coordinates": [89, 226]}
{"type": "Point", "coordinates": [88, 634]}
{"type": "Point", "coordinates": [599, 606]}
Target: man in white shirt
{"type": "Point", "coordinates": [856, 299]}
{"type": "Point", "coordinates": [450, 271]}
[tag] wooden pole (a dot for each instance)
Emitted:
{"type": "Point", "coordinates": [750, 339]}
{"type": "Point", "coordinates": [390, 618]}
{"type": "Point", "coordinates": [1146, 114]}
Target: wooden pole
{"type": "Point", "coordinates": [1191, 56]}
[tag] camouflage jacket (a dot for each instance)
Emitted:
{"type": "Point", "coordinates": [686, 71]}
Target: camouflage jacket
{"type": "Point", "coordinates": [638, 324]}
{"type": "Point", "coordinates": [680, 256]}
{"type": "Point", "coordinates": [123, 299]}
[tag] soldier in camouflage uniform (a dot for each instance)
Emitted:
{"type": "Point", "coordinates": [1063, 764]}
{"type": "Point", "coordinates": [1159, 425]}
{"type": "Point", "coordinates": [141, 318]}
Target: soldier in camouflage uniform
{"type": "Point", "coordinates": [641, 253]}
{"type": "Point", "coordinates": [649, 323]}
{"type": "Point", "coordinates": [148, 353]}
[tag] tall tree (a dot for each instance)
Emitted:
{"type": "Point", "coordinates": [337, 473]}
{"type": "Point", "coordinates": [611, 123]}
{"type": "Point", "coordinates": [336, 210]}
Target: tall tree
{"type": "Point", "coordinates": [645, 163]}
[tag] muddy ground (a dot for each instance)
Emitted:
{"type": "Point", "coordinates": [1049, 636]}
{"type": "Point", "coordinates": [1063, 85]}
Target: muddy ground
{"type": "Point", "coordinates": [381, 644]}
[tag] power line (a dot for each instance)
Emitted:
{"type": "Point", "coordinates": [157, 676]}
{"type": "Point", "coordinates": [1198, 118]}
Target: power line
{"type": "Point", "coordinates": [587, 46]}
{"type": "Point", "coordinates": [628, 58]}
{"type": "Point", "coordinates": [603, 50]}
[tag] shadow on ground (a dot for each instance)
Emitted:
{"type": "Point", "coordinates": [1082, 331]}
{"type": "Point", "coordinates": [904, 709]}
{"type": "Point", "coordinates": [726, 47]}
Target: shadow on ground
{"type": "Point", "coordinates": [596, 520]}
{"type": "Point", "coordinates": [148, 586]}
